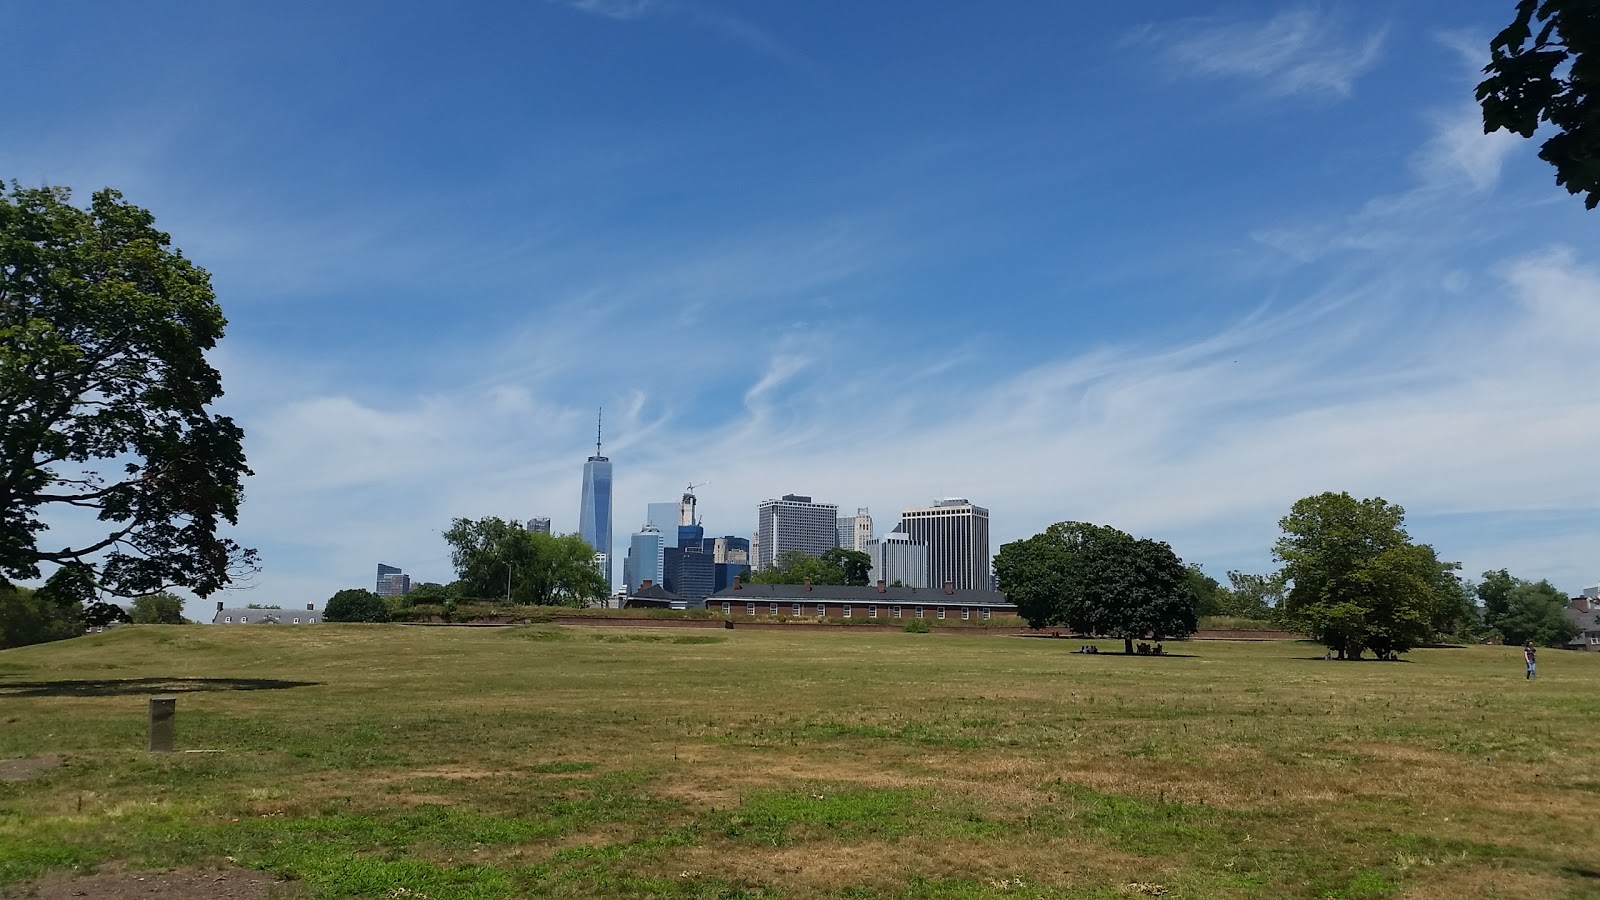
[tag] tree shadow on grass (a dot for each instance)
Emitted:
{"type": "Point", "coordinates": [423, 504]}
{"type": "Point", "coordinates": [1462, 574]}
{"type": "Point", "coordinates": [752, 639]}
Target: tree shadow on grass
{"type": "Point", "coordinates": [1364, 659]}
{"type": "Point", "coordinates": [1581, 873]}
{"type": "Point", "coordinates": [122, 687]}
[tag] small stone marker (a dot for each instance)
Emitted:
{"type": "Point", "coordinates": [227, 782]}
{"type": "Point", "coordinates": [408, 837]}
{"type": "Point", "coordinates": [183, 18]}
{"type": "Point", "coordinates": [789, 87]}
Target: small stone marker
{"type": "Point", "coordinates": [163, 713]}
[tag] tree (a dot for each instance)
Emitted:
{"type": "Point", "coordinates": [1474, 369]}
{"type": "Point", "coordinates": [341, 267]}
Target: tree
{"type": "Point", "coordinates": [33, 617]}
{"type": "Point", "coordinates": [356, 605]}
{"type": "Point", "coordinates": [1552, 76]}
{"type": "Point", "coordinates": [104, 389]}
{"type": "Point", "coordinates": [1210, 597]}
{"type": "Point", "coordinates": [1253, 596]}
{"type": "Point", "coordinates": [798, 567]}
{"type": "Point", "coordinates": [429, 592]}
{"type": "Point", "coordinates": [1097, 580]}
{"type": "Point", "coordinates": [1357, 582]}
{"type": "Point", "coordinates": [158, 609]}
{"type": "Point", "coordinates": [1520, 610]}
{"type": "Point", "coordinates": [100, 614]}
{"type": "Point", "coordinates": [855, 567]}
{"type": "Point", "coordinates": [496, 558]}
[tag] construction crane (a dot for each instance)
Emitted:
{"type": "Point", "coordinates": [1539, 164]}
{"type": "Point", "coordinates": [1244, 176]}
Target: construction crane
{"type": "Point", "coordinates": [690, 488]}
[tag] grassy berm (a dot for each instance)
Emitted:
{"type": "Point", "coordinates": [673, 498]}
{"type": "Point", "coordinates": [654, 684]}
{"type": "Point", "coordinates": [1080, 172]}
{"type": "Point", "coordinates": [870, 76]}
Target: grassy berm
{"type": "Point", "coordinates": [407, 762]}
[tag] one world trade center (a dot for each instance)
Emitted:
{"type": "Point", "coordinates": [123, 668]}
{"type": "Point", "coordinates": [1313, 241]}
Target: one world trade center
{"type": "Point", "coordinates": [594, 519]}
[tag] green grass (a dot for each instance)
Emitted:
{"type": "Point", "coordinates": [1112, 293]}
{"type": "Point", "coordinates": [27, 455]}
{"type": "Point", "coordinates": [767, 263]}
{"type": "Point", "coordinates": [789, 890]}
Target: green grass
{"type": "Point", "coordinates": [544, 761]}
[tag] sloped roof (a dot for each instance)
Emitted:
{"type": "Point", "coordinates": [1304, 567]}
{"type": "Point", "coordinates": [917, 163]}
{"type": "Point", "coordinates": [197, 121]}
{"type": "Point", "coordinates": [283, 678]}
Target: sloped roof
{"type": "Point", "coordinates": [285, 616]}
{"type": "Point", "coordinates": [840, 593]}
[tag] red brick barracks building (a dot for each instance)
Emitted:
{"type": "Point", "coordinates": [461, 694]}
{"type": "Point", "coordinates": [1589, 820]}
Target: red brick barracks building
{"type": "Point", "coordinates": [890, 605]}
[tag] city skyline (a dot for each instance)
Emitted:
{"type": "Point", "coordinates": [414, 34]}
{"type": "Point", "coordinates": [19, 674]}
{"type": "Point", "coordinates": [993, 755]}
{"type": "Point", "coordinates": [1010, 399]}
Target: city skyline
{"type": "Point", "coordinates": [941, 283]}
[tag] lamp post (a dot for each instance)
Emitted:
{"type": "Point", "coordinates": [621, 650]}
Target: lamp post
{"type": "Point", "coordinates": [509, 567]}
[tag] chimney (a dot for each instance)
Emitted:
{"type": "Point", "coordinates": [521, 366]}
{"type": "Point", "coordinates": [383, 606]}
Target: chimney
{"type": "Point", "coordinates": [737, 584]}
{"type": "Point", "coordinates": [219, 606]}
{"type": "Point", "coordinates": [647, 584]}
{"type": "Point", "coordinates": [311, 607]}
{"type": "Point", "coordinates": [808, 585]}
{"type": "Point", "coordinates": [1580, 604]}
{"type": "Point", "coordinates": [880, 585]}
{"type": "Point", "coordinates": [949, 587]}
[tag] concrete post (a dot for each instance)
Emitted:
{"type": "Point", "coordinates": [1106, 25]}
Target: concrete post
{"type": "Point", "coordinates": [163, 724]}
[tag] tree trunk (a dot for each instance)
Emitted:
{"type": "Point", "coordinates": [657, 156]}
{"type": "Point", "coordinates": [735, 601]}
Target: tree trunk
{"type": "Point", "coordinates": [1127, 645]}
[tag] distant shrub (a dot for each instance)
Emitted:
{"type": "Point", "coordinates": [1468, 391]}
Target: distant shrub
{"type": "Point", "coordinates": [917, 626]}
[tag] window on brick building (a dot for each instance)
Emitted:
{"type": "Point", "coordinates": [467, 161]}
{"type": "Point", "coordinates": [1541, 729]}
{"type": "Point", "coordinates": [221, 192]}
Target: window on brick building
{"type": "Point", "coordinates": [798, 611]}
{"type": "Point", "coordinates": [847, 612]}
{"type": "Point", "coordinates": [822, 610]}
{"type": "Point", "coordinates": [941, 612]}
{"type": "Point", "coordinates": [872, 612]}
{"type": "Point", "coordinates": [727, 608]}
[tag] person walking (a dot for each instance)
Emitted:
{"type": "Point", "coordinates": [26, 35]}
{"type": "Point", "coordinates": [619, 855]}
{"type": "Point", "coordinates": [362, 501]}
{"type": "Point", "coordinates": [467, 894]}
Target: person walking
{"type": "Point", "coordinates": [1527, 654]}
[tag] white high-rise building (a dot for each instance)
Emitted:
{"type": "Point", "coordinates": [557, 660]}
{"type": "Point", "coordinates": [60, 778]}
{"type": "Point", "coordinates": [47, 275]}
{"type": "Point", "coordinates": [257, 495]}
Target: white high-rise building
{"type": "Point", "coordinates": [855, 531]}
{"type": "Point", "coordinates": [793, 523]}
{"type": "Point", "coordinates": [956, 534]}
{"type": "Point", "coordinates": [898, 558]}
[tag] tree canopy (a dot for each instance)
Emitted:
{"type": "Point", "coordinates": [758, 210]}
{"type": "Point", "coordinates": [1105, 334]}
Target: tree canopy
{"type": "Point", "coordinates": [1357, 581]}
{"type": "Point", "coordinates": [1520, 610]}
{"type": "Point", "coordinates": [1551, 76]}
{"type": "Point", "coordinates": [28, 616]}
{"type": "Point", "coordinates": [835, 566]}
{"type": "Point", "coordinates": [495, 557]}
{"type": "Point", "coordinates": [1097, 580]}
{"type": "Point", "coordinates": [157, 609]}
{"type": "Point", "coordinates": [356, 605]}
{"type": "Point", "coordinates": [104, 389]}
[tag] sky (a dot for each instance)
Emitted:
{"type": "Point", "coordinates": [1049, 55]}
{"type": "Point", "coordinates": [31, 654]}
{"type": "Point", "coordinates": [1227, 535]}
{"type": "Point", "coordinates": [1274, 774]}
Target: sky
{"type": "Point", "coordinates": [1162, 266]}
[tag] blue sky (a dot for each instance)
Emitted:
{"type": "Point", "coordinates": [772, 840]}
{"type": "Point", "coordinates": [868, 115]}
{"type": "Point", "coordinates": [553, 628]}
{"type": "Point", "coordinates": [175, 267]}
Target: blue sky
{"type": "Point", "coordinates": [1160, 266]}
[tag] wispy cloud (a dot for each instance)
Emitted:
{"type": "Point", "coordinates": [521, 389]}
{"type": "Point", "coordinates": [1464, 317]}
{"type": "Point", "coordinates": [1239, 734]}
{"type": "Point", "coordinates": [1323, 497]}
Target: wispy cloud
{"type": "Point", "coordinates": [734, 29]}
{"type": "Point", "coordinates": [1298, 51]}
{"type": "Point", "coordinates": [621, 10]}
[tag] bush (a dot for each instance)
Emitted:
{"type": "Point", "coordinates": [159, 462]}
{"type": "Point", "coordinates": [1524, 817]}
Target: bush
{"type": "Point", "coordinates": [917, 626]}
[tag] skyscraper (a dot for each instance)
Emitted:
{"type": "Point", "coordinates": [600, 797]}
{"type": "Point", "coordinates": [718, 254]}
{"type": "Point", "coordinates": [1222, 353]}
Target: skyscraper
{"type": "Point", "coordinates": [855, 531]}
{"type": "Point", "coordinates": [645, 558]}
{"type": "Point", "coordinates": [594, 518]}
{"type": "Point", "coordinates": [956, 534]}
{"type": "Point", "coordinates": [794, 523]}
{"type": "Point", "coordinates": [664, 517]}
{"type": "Point", "coordinates": [392, 582]}
{"type": "Point", "coordinates": [898, 558]}
{"type": "Point", "coordinates": [539, 523]}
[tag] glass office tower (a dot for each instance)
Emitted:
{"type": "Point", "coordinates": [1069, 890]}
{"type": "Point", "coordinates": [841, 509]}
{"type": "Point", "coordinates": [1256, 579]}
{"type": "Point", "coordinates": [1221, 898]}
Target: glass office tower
{"type": "Point", "coordinates": [594, 518]}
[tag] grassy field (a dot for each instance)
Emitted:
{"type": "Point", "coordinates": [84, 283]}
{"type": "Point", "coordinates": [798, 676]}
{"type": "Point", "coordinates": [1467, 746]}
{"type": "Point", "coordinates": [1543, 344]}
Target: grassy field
{"type": "Point", "coordinates": [404, 762]}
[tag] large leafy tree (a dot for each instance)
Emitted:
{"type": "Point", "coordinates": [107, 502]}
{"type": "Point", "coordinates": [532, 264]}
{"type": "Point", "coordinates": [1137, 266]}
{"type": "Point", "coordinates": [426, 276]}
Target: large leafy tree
{"type": "Point", "coordinates": [104, 389]}
{"type": "Point", "coordinates": [798, 567]}
{"type": "Point", "coordinates": [1357, 581]}
{"type": "Point", "coordinates": [496, 558]}
{"type": "Point", "coordinates": [355, 605]}
{"type": "Point", "coordinates": [157, 609]}
{"type": "Point", "coordinates": [1545, 68]}
{"type": "Point", "coordinates": [1097, 580]}
{"type": "Point", "coordinates": [855, 567]}
{"type": "Point", "coordinates": [1520, 610]}
{"type": "Point", "coordinates": [34, 617]}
